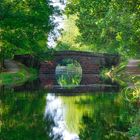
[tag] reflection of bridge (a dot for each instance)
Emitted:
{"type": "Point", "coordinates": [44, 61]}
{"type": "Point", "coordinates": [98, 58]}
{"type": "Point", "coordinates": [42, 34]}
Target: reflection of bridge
{"type": "Point", "coordinates": [36, 85]}
{"type": "Point", "coordinates": [91, 65]}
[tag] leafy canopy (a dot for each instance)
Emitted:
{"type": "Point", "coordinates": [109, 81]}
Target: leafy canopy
{"type": "Point", "coordinates": [24, 26]}
{"type": "Point", "coordinates": [112, 26]}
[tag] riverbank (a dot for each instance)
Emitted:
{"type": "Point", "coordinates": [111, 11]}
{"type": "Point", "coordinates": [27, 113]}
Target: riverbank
{"type": "Point", "coordinates": [16, 74]}
{"type": "Point", "coordinates": [127, 73]}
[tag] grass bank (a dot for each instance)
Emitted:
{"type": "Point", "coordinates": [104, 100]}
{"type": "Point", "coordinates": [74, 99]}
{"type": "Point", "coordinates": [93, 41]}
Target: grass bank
{"type": "Point", "coordinates": [121, 75]}
{"type": "Point", "coordinates": [15, 78]}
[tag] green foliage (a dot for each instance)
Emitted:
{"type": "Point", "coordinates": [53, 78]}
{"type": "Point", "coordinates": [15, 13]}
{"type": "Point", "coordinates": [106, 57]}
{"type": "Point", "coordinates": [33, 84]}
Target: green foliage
{"type": "Point", "coordinates": [132, 97]}
{"type": "Point", "coordinates": [105, 74]}
{"type": "Point", "coordinates": [68, 40]}
{"type": "Point", "coordinates": [134, 131]}
{"type": "Point", "coordinates": [24, 26]}
{"type": "Point", "coordinates": [132, 94]}
{"type": "Point", "coordinates": [112, 26]}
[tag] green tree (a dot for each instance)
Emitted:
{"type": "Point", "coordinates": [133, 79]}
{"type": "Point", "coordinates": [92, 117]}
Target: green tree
{"type": "Point", "coordinates": [112, 26]}
{"type": "Point", "coordinates": [24, 27]}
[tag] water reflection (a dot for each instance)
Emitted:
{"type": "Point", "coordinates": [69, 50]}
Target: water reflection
{"type": "Point", "coordinates": [99, 117]}
{"type": "Point", "coordinates": [36, 85]}
{"type": "Point", "coordinates": [21, 116]}
{"type": "Point", "coordinates": [39, 115]}
{"type": "Point", "coordinates": [64, 115]}
{"type": "Point", "coordinates": [55, 110]}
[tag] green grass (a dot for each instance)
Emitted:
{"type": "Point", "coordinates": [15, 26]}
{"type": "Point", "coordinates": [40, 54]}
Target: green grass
{"type": "Point", "coordinates": [24, 74]}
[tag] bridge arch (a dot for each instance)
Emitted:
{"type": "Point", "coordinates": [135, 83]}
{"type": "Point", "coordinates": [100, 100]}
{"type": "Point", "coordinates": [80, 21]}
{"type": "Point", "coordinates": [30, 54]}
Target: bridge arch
{"type": "Point", "coordinates": [91, 64]}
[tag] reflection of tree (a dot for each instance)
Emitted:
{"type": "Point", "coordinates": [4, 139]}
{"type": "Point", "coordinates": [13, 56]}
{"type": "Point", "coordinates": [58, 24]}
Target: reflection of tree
{"type": "Point", "coordinates": [110, 121]}
{"type": "Point", "coordinates": [22, 116]}
{"type": "Point", "coordinates": [75, 111]}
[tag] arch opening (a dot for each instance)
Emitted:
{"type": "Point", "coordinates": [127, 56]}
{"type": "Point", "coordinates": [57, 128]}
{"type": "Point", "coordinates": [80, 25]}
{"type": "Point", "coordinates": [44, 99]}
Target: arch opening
{"type": "Point", "coordinates": [68, 73]}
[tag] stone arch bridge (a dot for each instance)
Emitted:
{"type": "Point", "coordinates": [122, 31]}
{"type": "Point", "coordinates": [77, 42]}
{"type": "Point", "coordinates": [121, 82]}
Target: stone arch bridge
{"type": "Point", "coordinates": [91, 65]}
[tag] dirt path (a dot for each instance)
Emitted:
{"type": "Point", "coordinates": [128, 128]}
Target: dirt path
{"type": "Point", "coordinates": [133, 67]}
{"type": "Point", "coordinates": [11, 66]}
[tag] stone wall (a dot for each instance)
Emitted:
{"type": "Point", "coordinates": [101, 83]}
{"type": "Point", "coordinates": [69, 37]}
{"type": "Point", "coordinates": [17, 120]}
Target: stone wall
{"type": "Point", "coordinates": [90, 63]}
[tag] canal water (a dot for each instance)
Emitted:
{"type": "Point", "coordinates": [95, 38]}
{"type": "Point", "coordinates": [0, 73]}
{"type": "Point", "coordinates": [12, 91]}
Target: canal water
{"type": "Point", "coordinates": [37, 114]}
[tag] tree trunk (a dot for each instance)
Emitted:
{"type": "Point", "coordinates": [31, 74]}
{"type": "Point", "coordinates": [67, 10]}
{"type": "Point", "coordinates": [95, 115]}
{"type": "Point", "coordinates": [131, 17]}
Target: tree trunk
{"type": "Point", "coordinates": [1, 65]}
{"type": "Point", "coordinates": [1, 60]}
